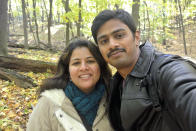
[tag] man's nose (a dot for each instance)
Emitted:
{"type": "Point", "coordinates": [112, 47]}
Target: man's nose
{"type": "Point", "coordinates": [113, 43]}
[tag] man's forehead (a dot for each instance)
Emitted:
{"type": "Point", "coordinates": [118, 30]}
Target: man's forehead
{"type": "Point", "coordinates": [109, 32]}
{"type": "Point", "coordinates": [111, 25]}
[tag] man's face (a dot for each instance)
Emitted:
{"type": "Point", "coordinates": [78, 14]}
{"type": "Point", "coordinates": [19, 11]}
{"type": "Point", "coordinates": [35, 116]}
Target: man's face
{"type": "Point", "coordinates": [117, 44]}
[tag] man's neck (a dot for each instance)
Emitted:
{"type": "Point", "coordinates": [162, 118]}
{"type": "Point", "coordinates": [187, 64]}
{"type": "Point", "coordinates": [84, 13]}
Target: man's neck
{"type": "Point", "coordinates": [126, 70]}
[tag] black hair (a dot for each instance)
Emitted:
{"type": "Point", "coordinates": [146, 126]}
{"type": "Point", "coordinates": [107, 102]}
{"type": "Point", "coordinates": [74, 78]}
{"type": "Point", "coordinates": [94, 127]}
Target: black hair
{"type": "Point", "coordinates": [107, 15]}
{"type": "Point", "coordinates": [62, 76]}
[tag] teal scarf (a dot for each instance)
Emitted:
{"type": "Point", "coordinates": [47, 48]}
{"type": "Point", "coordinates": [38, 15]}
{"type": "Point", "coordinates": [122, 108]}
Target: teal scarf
{"type": "Point", "coordinates": [85, 104]}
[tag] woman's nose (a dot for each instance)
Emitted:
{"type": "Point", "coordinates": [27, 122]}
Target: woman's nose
{"type": "Point", "coordinates": [84, 66]}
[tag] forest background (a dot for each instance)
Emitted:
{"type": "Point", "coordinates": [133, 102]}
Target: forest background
{"type": "Point", "coordinates": [33, 34]}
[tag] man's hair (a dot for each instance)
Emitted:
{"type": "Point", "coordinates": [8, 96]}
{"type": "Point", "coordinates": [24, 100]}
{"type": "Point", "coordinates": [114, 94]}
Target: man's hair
{"type": "Point", "coordinates": [107, 15]}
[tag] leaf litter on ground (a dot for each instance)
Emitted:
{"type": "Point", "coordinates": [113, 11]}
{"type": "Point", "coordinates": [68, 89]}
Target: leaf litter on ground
{"type": "Point", "coordinates": [15, 102]}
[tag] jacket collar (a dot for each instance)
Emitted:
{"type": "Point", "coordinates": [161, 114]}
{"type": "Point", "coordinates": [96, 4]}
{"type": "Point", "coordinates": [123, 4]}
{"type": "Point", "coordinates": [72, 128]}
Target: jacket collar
{"type": "Point", "coordinates": [145, 60]}
{"type": "Point", "coordinates": [58, 97]}
{"type": "Point", "coordinates": [143, 63]}
{"type": "Point", "coordinates": [55, 95]}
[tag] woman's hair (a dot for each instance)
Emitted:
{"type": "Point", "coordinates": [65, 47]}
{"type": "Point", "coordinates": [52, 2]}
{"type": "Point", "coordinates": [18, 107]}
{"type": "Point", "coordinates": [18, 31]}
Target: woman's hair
{"type": "Point", "coordinates": [62, 76]}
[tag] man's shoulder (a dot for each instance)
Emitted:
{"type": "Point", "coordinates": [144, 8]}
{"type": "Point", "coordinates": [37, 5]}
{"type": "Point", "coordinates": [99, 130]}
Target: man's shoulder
{"type": "Point", "coordinates": [146, 46]}
{"type": "Point", "coordinates": [169, 63]}
{"type": "Point", "coordinates": [161, 59]}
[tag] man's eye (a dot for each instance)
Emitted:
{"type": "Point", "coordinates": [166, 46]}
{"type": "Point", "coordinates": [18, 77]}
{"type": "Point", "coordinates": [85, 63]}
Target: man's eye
{"type": "Point", "coordinates": [103, 42]}
{"type": "Point", "coordinates": [119, 36]}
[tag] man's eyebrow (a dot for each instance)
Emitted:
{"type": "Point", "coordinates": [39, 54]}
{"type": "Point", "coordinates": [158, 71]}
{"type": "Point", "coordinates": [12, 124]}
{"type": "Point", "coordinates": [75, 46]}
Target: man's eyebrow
{"type": "Point", "coordinates": [115, 31]}
{"type": "Point", "coordinates": [100, 37]}
{"type": "Point", "coordinates": [118, 30]}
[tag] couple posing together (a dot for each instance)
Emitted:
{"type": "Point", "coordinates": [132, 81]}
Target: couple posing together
{"type": "Point", "coordinates": [150, 91]}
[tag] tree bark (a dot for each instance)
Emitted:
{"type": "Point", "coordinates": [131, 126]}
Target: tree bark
{"type": "Point", "coordinates": [18, 9]}
{"type": "Point", "coordinates": [79, 18]}
{"type": "Point", "coordinates": [30, 25]}
{"type": "Point", "coordinates": [9, 20]}
{"type": "Point", "coordinates": [26, 65]}
{"type": "Point", "coordinates": [66, 6]}
{"type": "Point", "coordinates": [13, 45]}
{"type": "Point", "coordinates": [42, 17]}
{"type": "Point", "coordinates": [19, 79]}
{"type": "Point", "coordinates": [135, 11]}
{"type": "Point", "coordinates": [148, 18]}
{"type": "Point", "coordinates": [3, 27]}
{"type": "Point", "coordinates": [11, 17]}
{"type": "Point", "coordinates": [49, 25]}
{"type": "Point", "coordinates": [25, 24]}
{"type": "Point", "coordinates": [72, 32]}
{"type": "Point", "coordinates": [45, 9]}
{"type": "Point", "coordinates": [164, 23]}
{"type": "Point", "coordinates": [144, 26]}
{"type": "Point", "coordinates": [117, 6]}
{"type": "Point", "coordinates": [36, 24]}
{"type": "Point", "coordinates": [183, 30]}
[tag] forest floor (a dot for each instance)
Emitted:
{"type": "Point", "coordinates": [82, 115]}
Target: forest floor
{"type": "Point", "coordinates": [16, 103]}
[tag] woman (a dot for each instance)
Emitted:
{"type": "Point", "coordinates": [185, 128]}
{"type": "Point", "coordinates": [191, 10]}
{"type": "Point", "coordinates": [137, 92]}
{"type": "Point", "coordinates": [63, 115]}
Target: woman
{"type": "Point", "coordinates": [75, 98]}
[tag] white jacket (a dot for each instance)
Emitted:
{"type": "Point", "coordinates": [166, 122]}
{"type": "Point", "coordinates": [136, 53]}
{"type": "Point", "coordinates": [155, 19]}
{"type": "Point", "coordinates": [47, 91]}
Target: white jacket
{"type": "Point", "coordinates": [55, 112]}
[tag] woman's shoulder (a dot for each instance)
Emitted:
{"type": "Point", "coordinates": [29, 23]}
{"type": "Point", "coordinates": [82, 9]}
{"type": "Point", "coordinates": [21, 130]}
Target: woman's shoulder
{"type": "Point", "coordinates": [55, 95]}
{"type": "Point", "coordinates": [43, 113]}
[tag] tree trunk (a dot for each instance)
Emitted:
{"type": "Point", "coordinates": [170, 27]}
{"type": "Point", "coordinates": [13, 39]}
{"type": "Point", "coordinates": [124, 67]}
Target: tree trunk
{"type": "Point", "coordinates": [25, 24]}
{"type": "Point", "coordinates": [183, 30]}
{"type": "Point", "coordinates": [13, 45]}
{"type": "Point", "coordinates": [164, 23]}
{"type": "Point", "coordinates": [117, 6]}
{"type": "Point", "coordinates": [11, 17]}
{"type": "Point", "coordinates": [79, 18]}
{"type": "Point", "coordinates": [28, 16]}
{"type": "Point", "coordinates": [19, 79]}
{"type": "Point", "coordinates": [72, 32]}
{"type": "Point", "coordinates": [148, 18]}
{"type": "Point", "coordinates": [30, 25]}
{"type": "Point", "coordinates": [42, 17]}
{"type": "Point", "coordinates": [26, 65]}
{"type": "Point", "coordinates": [68, 23]}
{"type": "Point", "coordinates": [58, 14]}
{"type": "Point", "coordinates": [3, 27]}
{"type": "Point", "coordinates": [18, 9]}
{"type": "Point", "coordinates": [45, 9]}
{"type": "Point", "coordinates": [66, 6]}
{"type": "Point", "coordinates": [49, 25]}
{"type": "Point", "coordinates": [135, 11]}
{"type": "Point", "coordinates": [144, 28]}
{"type": "Point", "coordinates": [36, 24]}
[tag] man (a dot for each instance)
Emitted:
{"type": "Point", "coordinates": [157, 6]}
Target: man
{"type": "Point", "coordinates": [133, 104]}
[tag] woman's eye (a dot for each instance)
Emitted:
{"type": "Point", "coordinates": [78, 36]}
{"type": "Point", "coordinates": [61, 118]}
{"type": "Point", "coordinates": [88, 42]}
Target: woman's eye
{"type": "Point", "coordinates": [75, 63]}
{"type": "Point", "coordinates": [91, 61]}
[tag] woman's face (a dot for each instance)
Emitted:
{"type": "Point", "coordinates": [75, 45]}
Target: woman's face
{"type": "Point", "coordinates": [84, 69]}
